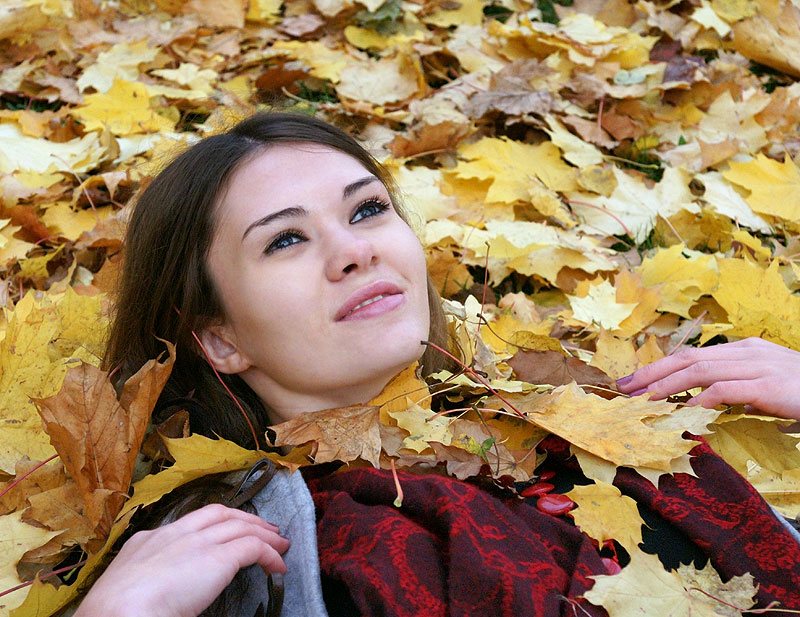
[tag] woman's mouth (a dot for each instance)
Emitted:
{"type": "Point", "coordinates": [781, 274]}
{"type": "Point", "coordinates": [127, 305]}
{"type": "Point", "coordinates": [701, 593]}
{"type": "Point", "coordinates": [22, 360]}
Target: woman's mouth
{"type": "Point", "coordinates": [371, 301]}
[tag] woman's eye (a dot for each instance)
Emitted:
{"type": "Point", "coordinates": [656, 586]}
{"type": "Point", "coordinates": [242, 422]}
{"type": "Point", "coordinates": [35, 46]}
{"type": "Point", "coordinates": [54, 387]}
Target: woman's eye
{"type": "Point", "coordinates": [368, 208]}
{"type": "Point", "coordinates": [284, 240]}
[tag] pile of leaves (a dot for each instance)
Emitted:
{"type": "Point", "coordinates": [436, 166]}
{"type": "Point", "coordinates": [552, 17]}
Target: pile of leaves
{"type": "Point", "coordinates": [596, 184]}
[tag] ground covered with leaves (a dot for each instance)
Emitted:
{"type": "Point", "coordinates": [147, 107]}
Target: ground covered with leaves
{"type": "Point", "coordinates": [596, 183]}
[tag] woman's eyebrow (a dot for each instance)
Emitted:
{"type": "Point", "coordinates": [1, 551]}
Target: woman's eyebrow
{"type": "Point", "coordinates": [354, 186]}
{"type": "Point", "coordinates": [280, 214]}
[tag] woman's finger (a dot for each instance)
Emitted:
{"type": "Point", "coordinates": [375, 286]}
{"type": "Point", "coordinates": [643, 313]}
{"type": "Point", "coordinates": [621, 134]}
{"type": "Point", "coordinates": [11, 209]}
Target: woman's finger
{"type": "Point", "coordinates": [249, 550]}
{"type": "Point", "coordinates": [213, 514]}
{"type": "Point", "coordinates": [672, 364]}
{"type": "Point", "coordinates": [228, 530]}
{"type": "Point", "coordinates": [722, 392]}
{"type": "Point", "coordinates": [703, 374]}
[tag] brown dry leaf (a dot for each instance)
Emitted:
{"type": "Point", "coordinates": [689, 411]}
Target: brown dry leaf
{"type": "Point", "coordinates": [344, 434]}
{"type": "Point", "coordinates": [98, 437]}
{"type": "Point", "coordinates": [556, 369]}
{"type": "Point", "coordinates": [62, 508]}
{"type": "Point", "coordinates": [511, 92]}
{"type": "Point", "coordinates": [43, 479]}
{"type": "Point", "coordinates": [429, 139]}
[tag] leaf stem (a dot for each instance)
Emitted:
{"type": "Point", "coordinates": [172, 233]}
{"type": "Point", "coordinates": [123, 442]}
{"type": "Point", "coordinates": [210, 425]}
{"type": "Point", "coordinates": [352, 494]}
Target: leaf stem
{"type": "Point", "coordinates": [398, 502]}
{"type": "Point", "coordinates": [688, 332]}
{"type": "Point", "coordinates": [755, 611]}
{"type": "Point", "coordinates": [476, 376]}
{"type": "Point", "coordinates": [609, 213]}
{"type": "Point", "coordinates": [25, 475]}
{"type": "Point", "coordinates": [41, 578]}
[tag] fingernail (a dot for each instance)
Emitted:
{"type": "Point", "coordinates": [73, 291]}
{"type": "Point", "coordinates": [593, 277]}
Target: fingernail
{"type": "Point", "coordinates": [638, 392]}
{"type": "Point", "coordinates": [624, 381]}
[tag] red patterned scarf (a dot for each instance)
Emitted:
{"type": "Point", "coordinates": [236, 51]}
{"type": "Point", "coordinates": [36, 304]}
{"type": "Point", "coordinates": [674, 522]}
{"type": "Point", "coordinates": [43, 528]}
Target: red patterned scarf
{"type": "Point", "coordinates": [454, 549]}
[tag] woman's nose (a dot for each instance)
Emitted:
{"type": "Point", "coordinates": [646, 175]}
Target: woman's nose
{"type": "Point", "coordinates": [348, 252]}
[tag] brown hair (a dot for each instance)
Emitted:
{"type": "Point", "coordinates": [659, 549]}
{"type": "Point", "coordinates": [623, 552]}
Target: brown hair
{"type": "Point", "coordinates": [166, 293]}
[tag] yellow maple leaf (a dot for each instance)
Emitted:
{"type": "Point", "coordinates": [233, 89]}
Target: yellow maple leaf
{"type": "Point", "coordinates": [682, 275]}
{"type": "Point", "coordinates": [604, 513]}
{"type": "Point", "coordinates": [734, 10]}
{"type": "Point", "coordinates": [124, 110]}
{"type": "Point", "coordinates": [325, 63]}
{"type": "Point", "coordinates": [773, 186]}
{"type": "Point", "coordinates": [267, 11]}
{"type": "Point", "coordinates": [631, 290]}
{"type": "Point", "coordinates": [423, 426]}
{"type": "Point", "coordinates": [600, 306]}
{"type": "Point", "coordinates": [11, 247]}
{"type": "Point", "coordinates": [576, 151]}
{"type": "Point", "coordinates": [723, 199]}
{"type": "Point", "coordinates": [509, 164]}
{"type": "Point", "coordinates": [468, 12]}
{"type": "Point", "coordinates": [366, 38]}
{"type": "Point", "coordinates": [644, 587]}
{"type": "Point", "coordinates": [758, 303]}
{"type": "Point", "coordinates": [616, 357]}
{"type": "Point", "coordinates": [19, 152]}
{"type": "Point", "coordinates": [189, 74]}
{"type": "Point", "coordinates": [529, 248]}
{"type": "Point", "coordinates": [121, 61]}
{"type": "Point", "coordinates": [40, 340]}
{"type": "Point", "coordinates": [62, 220]}
{"type": "Point", "coordinates": [631, 208]}
{"type": "Point", "coordinates": [635, 432]}
{"type": "Point", "coordinates": [26, 370]}
{"type": "Point", "coordinates": [36, 267]}
{"type": "Point", "coordinates": [404, 390]}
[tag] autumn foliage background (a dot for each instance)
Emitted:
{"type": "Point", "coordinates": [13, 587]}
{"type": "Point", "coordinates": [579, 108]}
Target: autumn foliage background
{"type": "Point", "coordinates": [622, 175]}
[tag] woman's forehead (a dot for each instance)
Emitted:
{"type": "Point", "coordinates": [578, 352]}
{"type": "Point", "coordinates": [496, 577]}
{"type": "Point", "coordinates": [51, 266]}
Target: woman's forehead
{"type": "Point", "coordinates": [288, 175]}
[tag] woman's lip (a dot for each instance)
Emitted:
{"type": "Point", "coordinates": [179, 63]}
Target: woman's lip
{"type": "Point", "coordinates": [367, 293]}
{"type": "Point", "coordinates": [374, 309]}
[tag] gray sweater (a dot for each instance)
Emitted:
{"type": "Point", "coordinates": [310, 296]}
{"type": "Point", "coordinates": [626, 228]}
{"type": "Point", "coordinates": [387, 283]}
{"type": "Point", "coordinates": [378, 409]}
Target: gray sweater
{"type": "Point", "coordinates": [286, 502]}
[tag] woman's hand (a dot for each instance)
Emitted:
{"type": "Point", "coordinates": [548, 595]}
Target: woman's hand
{"type": "Point", "coordinates": [179, 569]}
{"type": "Point", "coordinates": [751, 372]}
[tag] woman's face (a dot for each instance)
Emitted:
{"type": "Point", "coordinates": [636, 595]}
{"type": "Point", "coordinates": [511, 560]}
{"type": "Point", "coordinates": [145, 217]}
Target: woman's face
{"type": "Point", "coordinates": [323, 285]}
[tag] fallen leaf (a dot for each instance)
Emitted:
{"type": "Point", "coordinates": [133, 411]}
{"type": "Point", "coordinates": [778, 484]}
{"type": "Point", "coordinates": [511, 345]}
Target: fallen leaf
{"type": "Point", "coordinates": [625, 431]}
{"type": "Point", "coordinates": [645, 588]}
{"type": "Point", "coordinates": [604, 513]}
{"type": "Point", "coordinates": [423, 426]}
{"type": "Point", "coordinates": [98, 437]}
{"type": "Point", "coordinates": [344, 434]}
{"type": "Point", "coordinates": [772, 185]}
{"type": "Point", "coordinates": [556, 369]}
{"type": "Point", "coordinates": [16, 539]}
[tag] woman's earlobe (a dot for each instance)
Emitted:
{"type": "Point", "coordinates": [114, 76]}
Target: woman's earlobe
{"type": "Point", "coordinates": [221, 349]}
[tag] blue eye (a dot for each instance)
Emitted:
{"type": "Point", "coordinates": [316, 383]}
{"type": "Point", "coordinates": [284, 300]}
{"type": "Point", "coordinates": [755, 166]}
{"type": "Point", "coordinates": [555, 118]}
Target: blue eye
{"type": "Point", "coordinates": [284, 240]}
{"type": "Point", "coordinates": [369, 207]}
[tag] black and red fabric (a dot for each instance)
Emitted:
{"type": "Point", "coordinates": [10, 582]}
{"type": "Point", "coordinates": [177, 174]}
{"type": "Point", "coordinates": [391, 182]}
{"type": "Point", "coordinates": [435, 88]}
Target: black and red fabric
{"type": "Point", "coordinates": [454, 549]}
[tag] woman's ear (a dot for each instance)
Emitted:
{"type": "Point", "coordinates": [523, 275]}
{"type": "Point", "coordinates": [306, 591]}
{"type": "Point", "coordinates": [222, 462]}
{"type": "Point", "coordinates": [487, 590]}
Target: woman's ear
{"type": "Point", "coordinates": [220, 345]}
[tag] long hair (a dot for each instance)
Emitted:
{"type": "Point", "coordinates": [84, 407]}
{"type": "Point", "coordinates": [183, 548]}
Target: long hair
{"type": "Point", "coordinates": [166, 294]}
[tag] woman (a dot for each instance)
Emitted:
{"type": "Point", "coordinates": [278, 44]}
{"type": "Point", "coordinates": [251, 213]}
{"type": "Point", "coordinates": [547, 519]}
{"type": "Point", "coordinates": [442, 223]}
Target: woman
{"type": "Point", "coordinates": [277, 259]}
